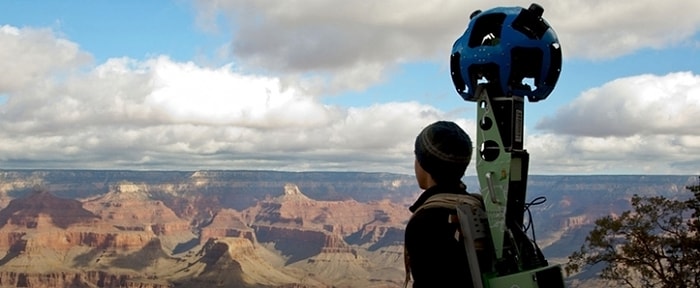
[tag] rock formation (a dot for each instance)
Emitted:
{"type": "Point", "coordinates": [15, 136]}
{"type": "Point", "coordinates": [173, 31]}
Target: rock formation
{"type": "Point", "coordinates": [40, 207]}
{"type": "Point", "coordinates": [129, 207]}
{"type": "Point", "coordinates": [129, 237]}
{"type": "Point", "coordinates": [227, 223]}
{"type": "Point", "coordinates": [251, 228]}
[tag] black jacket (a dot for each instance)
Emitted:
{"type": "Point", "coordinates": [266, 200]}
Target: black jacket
{"type": "Point", "coordinates": [436, 254]}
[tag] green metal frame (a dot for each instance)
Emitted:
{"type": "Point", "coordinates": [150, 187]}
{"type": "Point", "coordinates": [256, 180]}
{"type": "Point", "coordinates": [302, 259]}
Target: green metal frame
{"type": "Point", "coordinates": [502, 168]}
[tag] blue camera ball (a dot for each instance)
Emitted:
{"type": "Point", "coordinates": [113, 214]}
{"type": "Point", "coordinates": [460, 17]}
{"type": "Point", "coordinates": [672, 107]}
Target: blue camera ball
{"type": "Point", "coordinates": [512, 49]}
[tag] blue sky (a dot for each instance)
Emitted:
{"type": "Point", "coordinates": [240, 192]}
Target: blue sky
{"type": "Point", "coordinates": [330, 85]}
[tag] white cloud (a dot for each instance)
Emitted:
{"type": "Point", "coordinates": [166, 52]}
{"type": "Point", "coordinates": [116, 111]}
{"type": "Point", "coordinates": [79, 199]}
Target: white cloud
{"type": "Point", "coordinates": [192, 94]}
{"type": "Point", "coordinates": [333, 36]}
{"type": "Point", "coordinates": [61, 110]}
{"type": "Point", "coordinates": [641, 124]}
{"type": "Point", "coordinates": [161, 114]}
{"type": "Point", "coordinates": [356, 42]}
{"type": "Point", "coordinates": [608, 29]}
{"type": "Point", "coordinates": [30, 55]}
{"type": "Point", "coordinates": [639, 105]}
{"type": "Point", "coordinates": [336, 46]}
{"type": "Point", "coordinates": [650, 154]}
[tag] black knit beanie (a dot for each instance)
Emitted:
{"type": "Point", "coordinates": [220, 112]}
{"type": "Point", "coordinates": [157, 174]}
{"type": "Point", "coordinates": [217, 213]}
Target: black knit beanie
{"type": "Point", "coordinates": [444, 150]}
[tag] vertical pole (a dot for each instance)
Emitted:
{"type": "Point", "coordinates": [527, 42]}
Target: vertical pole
{"type": "Point", "coordinates": [502, 164]}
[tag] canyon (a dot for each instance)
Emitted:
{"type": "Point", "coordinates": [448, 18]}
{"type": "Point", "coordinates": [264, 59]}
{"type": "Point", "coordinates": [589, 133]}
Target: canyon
{"type": "Point", "coordinates": [112, 228]}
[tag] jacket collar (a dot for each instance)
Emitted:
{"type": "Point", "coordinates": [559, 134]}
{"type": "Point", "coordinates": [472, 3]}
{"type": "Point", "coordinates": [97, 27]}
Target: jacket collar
{"type": "Point", "coordinates": [459, 188]}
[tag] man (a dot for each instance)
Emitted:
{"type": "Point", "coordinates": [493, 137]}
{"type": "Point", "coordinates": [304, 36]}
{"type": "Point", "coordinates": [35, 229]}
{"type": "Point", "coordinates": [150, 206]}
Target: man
{"type": "Point", "coordinates": [435, 253]}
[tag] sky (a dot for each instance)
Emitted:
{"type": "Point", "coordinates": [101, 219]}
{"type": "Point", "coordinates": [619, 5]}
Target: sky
{"type": "Point", "coordinates": [327, 85]}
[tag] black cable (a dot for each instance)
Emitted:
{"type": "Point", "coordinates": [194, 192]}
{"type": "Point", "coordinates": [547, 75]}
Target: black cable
{"type": "Point", "coordinates": [530, 223]}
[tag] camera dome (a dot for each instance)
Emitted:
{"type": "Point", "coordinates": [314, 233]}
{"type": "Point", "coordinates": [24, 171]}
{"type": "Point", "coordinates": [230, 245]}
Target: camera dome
{"type": "Point", "coordinates": [513, 49]}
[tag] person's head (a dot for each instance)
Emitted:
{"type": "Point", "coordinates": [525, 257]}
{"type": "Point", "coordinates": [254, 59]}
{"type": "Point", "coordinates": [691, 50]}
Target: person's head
{"type": "Point", "coordinates": [443, 151]}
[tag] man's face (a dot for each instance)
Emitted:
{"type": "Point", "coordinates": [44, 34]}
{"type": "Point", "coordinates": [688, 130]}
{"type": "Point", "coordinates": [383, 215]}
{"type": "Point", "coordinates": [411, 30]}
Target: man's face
{"type": "Point", "coordinates": [423, 178]}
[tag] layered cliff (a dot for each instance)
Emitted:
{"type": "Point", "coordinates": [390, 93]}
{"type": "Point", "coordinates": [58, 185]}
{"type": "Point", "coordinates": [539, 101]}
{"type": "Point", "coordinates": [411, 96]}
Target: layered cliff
{"type": "Point", "coordinates": [43, 221]}
{"type": "Point", "coordinates": [250, 228]}
{"type": "Point", "coordinates": [314, 236]}
{"type": "Point", "coordinates": [129, 207]}
{"type": "Point", "coordinates": [41, 207]}
{"type": "Point", "coordinates": [129, 237]}
{"type": "Point", "coordinates": [55, 242]}
{"type": "Point", "coordinates": [227, 223]}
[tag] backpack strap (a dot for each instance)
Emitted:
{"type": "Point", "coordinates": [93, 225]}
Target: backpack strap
{"type": "Point", "coordinates": [451, 201]}
{"type": "Point", "coordinates": [472, 204]}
